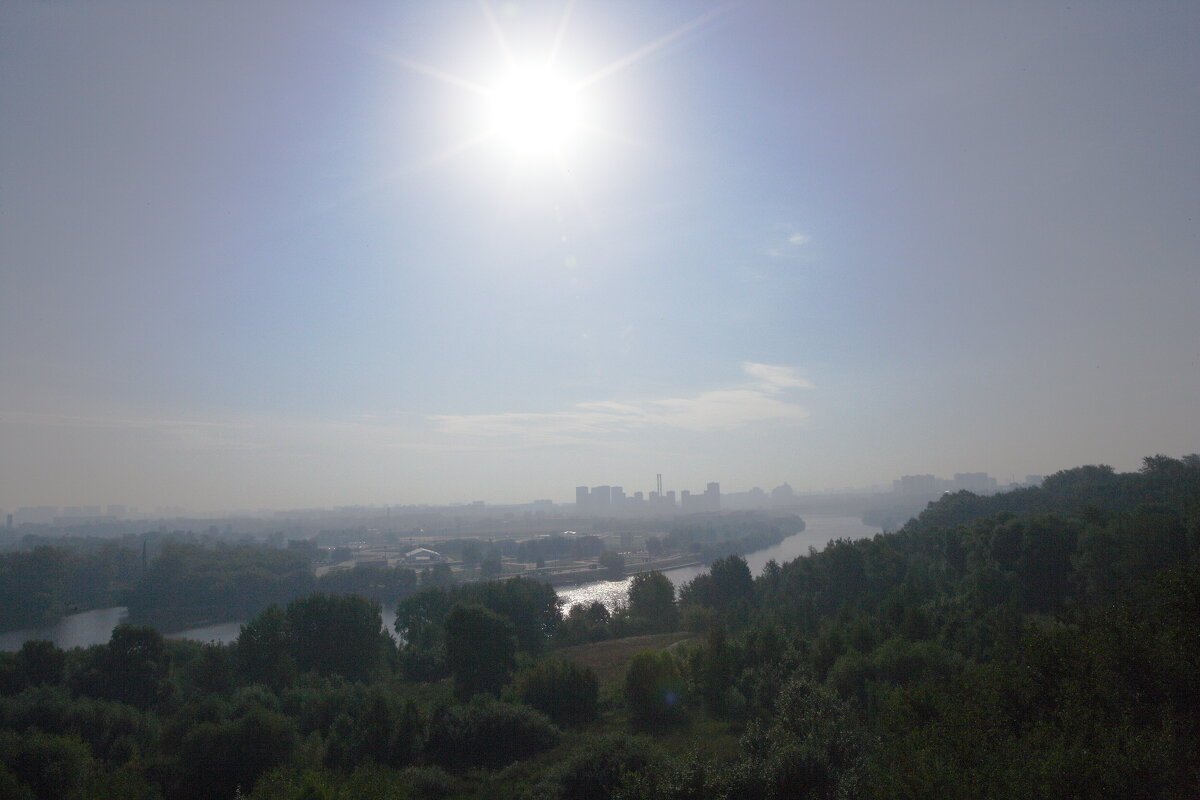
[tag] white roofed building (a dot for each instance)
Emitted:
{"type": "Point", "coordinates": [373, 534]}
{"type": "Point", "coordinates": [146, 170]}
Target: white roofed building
{"type": "Point", "coordinates": [423, 555]}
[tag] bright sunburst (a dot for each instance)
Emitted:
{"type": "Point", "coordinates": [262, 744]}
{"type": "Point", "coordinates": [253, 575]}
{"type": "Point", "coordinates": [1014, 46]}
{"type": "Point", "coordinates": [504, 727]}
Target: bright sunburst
{"type": "Point", "coordinates": [535, 112]}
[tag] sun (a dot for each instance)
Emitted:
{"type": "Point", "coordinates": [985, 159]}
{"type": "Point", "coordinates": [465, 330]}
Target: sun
{"type": "Point", "coordinates": [535, 113]}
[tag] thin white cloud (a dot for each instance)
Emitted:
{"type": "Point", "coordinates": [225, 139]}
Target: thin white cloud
{"type": "Point", "coordinates": [790, 243]}
{"type": "Point", "coordinates": [753, 402]}
{"type": "Point", "coordinates": [760, 398]}
{"type": "Point", "coordinates": [774, 375]}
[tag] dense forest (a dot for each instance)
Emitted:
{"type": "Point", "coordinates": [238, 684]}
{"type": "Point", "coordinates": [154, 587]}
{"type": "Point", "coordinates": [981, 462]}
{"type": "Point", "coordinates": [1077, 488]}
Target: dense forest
{"type": "Point", "coordinates": [1039, 643]}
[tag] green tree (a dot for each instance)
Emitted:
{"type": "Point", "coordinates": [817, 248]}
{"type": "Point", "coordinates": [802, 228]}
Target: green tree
{"type": "Point", "coordinates": [487, 733]}
{"type": "Point", "coordinates": [654, 688]}
{"type": "Point", "coordinates": [652, 601]}
{"type": "Point", "coordinates": [491, 566]}
{"type": "Point", "coordinates": [726, 588]}
{"type": "Point", "coordinates": [480, 649]}
{"type": "Point", "coordinates": [132, 668]}
{"type": "Point", "coordinates": [40, 662]}
{"type": "Point", "coordinates": [599, 767]}
{"type": "Point", "coordinates": [812, 749]}
{"type": "Point", "coordinates": [732, 582]}
{"type": "Point", "coordinates": [566, 692]}
{"type": "Point", "coordinates": [212, 672]}
{"type": "Point", "coordinates": [613, 565]}
{"type": "Point", "coordinates": [381, 730]}
{"type": "Point", "coordinates": [712, 672]}
{"type": "Point", "coordinates": [338, 634]}
{"type": "Point", "coordinates": [219, 757]}
{"type": "Point", "coordinates": [263, 650]}
{"type": "Point", "coordinates": [441, 575]}
{"type": "Point", "coordinates": [50, 767]}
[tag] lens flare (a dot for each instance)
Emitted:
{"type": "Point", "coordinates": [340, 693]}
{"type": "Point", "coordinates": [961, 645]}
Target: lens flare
{"type": "Point", "coordinates": [535, 112]}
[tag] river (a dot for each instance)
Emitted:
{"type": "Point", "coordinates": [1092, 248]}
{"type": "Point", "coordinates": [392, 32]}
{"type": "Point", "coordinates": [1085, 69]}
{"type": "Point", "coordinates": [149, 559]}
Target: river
{"type": "Point", "coordinates": [95, 627]}
{"type": "Point", "coordinates": [818, 532]}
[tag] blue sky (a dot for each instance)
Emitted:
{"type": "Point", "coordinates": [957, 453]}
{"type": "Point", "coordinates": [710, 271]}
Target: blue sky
{"type": "Point", "coordinates": [252, 258]}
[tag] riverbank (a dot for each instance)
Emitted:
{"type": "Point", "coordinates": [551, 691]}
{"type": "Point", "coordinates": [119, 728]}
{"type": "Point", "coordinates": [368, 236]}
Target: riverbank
{"type": "Point", "coordinates": [95, 627]}
{"type": "Point", "coordinates": [816, 533]}
{"type": "Point", "coordinates": [589, 575]}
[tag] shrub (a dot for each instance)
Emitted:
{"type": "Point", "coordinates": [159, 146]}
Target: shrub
{"type": "Point", "coordinates": [217, 758]}
{"type": "Point", "coordinates": [599, 768]}
{"type": "Point", "coordinates": [487, 733]}
{"type": "Point", "coordinates": [654, 688]}
{"type": "Point", "coordinates": [51, 766]}
{"type": "Point", "coordinates": [566, 692]}
{"type": "Point", "coordinates": [480, 649]}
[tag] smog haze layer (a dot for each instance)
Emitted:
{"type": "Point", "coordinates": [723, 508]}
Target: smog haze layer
{"type": "Point", "coordinates": [293, 254]}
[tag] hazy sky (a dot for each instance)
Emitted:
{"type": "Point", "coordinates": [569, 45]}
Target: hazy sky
{"type": "Point", "coordinates": [275, 254]}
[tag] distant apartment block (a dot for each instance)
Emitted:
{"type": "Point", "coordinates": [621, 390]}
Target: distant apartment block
{"type": "Point", "coordinates": [612, 500]}
{"type": "Point", "coordinates": [916, 486]}
{"type": "Point", "coordinates": [929, 486]}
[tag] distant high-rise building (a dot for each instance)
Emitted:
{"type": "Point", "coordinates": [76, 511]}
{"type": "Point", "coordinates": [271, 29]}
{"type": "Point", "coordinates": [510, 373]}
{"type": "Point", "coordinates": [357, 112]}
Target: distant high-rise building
{"type": "Point", "coordinates": [712, 496]}
{"type": "Point", "coordinates": [582, 499]}
{"type": "Point", "coordinates": [782, 496]}
{"type": "Point", "coordinates": [601, 498]}
{"type": "Point", "coordinates": [916, 486]}
{"type": "Point", "coordinates": [36, 514]}
{"type": "Point", "coordinates": [616, 497]}
{"type": "Point", "coordinates": [976, 482]}
{"type": "Point", "coordinates": [709, 500]}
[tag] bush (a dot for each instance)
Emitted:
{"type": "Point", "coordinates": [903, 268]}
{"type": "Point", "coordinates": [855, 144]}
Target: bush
{"type": "Point", "coordinates": [566, 692]}
{"type": "Point", "coordinates": [487, 733]}
{"type": "Point", "coordinates": [598, 769]}
{"type": "Point", "coordinates": [812, 748]}
{"type": "Point", "coordinates": [112, 731]}
{"type": "Point", "coordinates": [428, 782]}
{"type": "Point", "coordinates": [654, 688]}
{"type": "Point", "coordinates": [381, 729]}
{"type": "Point", "coordinates": [480, 649]}
{"type": "Point", "coordinates": [53, 767]}
{"type": "Point", "coordinates": [217, 758]}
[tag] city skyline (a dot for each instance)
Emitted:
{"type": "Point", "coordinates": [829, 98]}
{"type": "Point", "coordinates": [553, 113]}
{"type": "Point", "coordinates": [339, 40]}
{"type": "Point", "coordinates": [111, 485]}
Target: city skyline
{"type": "Point", "coordinates": [635, 502]}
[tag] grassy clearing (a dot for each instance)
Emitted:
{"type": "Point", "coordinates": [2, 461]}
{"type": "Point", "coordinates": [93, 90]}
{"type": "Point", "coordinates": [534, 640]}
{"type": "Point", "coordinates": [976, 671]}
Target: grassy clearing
{"type": "Point", "coordinates": [610, 658]}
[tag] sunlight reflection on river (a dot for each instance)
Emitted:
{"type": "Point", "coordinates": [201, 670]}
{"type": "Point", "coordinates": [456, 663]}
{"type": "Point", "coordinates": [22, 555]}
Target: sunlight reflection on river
{"type": "Point", "coordinates": [817, 533]}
